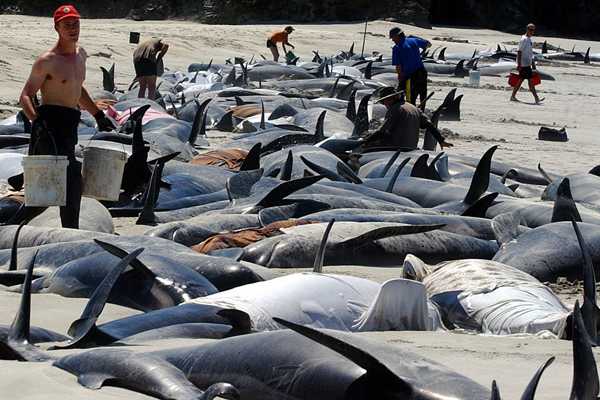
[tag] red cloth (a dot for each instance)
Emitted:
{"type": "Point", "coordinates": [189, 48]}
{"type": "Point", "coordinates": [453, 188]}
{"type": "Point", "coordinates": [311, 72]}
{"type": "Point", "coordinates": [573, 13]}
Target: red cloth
{"type": "Point", "coordinates": [65, 11]}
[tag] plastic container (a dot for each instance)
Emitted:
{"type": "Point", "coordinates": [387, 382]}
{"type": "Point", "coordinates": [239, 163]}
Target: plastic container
{"type": "Point", "coordinates": [290, 56]}
{"type": "Point", "coordinates": [102, 173]}
{"type": "Point", "coordinates": [513, 79]}
{"type": "Point", "coordinates": [474, 77]}
{"type": "Point", "coordinates": [45, 180]}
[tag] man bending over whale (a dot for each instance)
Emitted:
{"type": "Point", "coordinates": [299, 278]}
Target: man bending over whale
{"type": "Point", "coordinates": [59, 74]}
{"type": "Point", "coordinates": [402, 124]}
{"type": "Point", "coordinates": [280, 37]}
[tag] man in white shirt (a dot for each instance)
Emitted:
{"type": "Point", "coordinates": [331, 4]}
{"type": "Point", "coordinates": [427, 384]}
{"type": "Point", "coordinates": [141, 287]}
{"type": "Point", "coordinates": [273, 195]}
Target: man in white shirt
{"type": "Point", "coordinates": [525, 64]}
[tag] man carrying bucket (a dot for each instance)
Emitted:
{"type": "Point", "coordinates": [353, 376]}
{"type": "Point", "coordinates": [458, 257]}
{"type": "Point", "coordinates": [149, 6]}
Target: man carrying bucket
{"type": "Point", "coordinates": [526, 65]}
{"type": "Point", "coordinates": [59, 74]}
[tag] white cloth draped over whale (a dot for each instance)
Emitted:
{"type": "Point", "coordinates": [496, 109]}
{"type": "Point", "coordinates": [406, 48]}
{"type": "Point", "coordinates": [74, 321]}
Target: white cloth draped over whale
{"type": "Point", "coordinates": [500, 299]}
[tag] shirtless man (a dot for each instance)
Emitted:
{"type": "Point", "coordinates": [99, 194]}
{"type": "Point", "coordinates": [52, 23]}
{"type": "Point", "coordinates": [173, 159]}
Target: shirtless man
{"type": "Point", "coordinates": [145, 60]}
{"type": "Point", "coordinates": [59, 74]}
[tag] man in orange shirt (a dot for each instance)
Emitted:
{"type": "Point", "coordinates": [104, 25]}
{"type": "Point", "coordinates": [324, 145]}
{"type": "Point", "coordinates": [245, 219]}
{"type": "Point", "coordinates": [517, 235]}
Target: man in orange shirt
{"type": "Point", "coordinates": [279, 37]}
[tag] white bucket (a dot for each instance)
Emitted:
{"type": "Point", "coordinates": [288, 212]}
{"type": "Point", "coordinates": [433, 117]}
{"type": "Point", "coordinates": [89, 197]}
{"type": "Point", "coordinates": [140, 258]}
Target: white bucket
{"type": "Point", "coordinates": [45, 180]}
{"type": "Point", "coordinates": [474, 77]}
{"type": "Point", "coordinates": [102, 173]}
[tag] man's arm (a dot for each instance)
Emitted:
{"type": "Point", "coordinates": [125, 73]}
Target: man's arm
{"type": "Point", "coordinates": [163, 51]}
{"type": "Point", "coordinates": [33, 84]}
{"type": "Point", "coordinates": [426, 123]}
{"type": "Point", "coordinates": [400, 73]}
{"type": "Point", "coordinates": [520, 53]}
{"type": "Point", "coordinates": [287, 42]}
{"type": "Point", "coordinates": [86, 102]}
{"type": "Point", "coordinates": [424, 44]}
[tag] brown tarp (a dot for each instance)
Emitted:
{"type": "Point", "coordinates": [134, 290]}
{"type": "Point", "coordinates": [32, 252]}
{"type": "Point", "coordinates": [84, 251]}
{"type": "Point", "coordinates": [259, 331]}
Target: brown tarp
{"type": "Point", "coordinates": [245, 237]}
{"type": "Point", "coordinates": [225, 158]}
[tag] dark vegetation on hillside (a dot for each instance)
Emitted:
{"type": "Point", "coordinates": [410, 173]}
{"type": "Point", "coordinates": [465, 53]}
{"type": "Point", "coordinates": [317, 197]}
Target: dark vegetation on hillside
{"type": "Point", "coordinates": [573, 17]}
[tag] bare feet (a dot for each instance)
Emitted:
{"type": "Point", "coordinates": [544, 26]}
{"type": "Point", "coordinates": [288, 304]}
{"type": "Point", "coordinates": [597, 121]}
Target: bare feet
{"type": "Point", "coordinates": [539, 101]}
{"type": "Point", "coordinates": [513, 98]}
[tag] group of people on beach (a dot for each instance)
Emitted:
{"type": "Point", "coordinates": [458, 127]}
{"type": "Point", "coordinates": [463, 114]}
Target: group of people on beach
{"type": "Point", "coordinates": [59, 74]}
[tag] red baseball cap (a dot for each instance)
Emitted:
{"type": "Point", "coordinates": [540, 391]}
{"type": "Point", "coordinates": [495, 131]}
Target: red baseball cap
{"type": "Point", "coordinates": [65, 11]}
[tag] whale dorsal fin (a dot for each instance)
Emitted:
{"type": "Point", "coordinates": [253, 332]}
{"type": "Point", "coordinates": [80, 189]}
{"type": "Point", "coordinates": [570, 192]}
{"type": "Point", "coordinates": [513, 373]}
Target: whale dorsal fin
{"type": "Point", "coordinates": [347, 173]}
{"type": "Point", "coordinates": [495, 391]}
{"type": "Point", "coordinates": [420, 168]}
{"type": "Point", "coordinates": [285, 189]}
{"type": "Point", "coordinates": [84, 331]}
{"type": "Point", "coordinates": [589, 310]}
{"type": "Point", "coordinates": [386, 232]}
{"type": "Point", "coordinates": [531, 388]}
{"type": "Point", "coordinates": [389, 164]}
{"type": "Point", "coordinates": [361, 123]}
{"type": "Point", "coordinates": [320, 128]}
{"type": "Point", "coordinates": [565, 208]}
{"type": "Point", "coordinates": [374, 367]}
{"type": "Point", "coordinates": [288, 166]}
{"type": "Point", "coordinates": [147, 215]}
{"type": "Point", "coordinates": [369, 70]}
{"type": "Point", "coordinates": [585, 373]}
{"type": "Point", "coordinates": [394, 178]}
{"type": "Point", "coordinates": [252, 160]}
{"type": "Point", "coordinates": [15, 247]}
{"type": "Point", "coordinates": [479, 209]}
{"type": "Point", "coordinates": [481, 177]}
{"type": "Point", "coordinates": [17, 346]}
{"type": "Point", "coordinates": [263, 125]}
{"type": "Point", "coordinates": [320, 257]}
{"type": "Point", "coordinates": [327, 173]}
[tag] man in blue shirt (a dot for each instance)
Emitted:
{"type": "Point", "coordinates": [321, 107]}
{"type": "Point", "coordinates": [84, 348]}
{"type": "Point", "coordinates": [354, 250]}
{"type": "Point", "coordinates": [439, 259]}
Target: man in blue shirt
{"type": "Point", "coordinates": [406, 56]}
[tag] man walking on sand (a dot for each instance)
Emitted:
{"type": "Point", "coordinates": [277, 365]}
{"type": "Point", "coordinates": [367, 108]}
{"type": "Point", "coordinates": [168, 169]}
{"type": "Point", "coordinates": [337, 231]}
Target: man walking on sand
{"type": "Point", "coordinates": [145, 60]}
{"type": "Point", "coordinates": [59, 74]}
{"type": "Point", "coordinates": [526, 64]}
{"type": "Point", "coordinates": [406, 57]}
{"type": "Point", "coordinates": [280, 37]}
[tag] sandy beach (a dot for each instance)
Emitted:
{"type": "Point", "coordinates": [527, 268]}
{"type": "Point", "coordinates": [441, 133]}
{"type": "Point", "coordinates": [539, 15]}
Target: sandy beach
{"type": "Point", "coordinates": [488, 118]}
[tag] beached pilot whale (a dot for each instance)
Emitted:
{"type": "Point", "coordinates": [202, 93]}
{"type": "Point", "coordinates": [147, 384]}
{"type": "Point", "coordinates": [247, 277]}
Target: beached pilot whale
{"type": "Point", "coordinates": [547, 252]}
{"type": "Point", "coordinates": [366, 243]}
{"type": "Point", "coordinates": [304, 363]}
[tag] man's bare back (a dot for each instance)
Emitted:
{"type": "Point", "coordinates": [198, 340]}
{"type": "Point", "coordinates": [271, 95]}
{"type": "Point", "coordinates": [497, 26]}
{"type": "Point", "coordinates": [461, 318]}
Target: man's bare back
{"type": "Point", "coordinates": [63, 76]}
